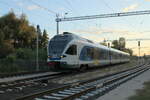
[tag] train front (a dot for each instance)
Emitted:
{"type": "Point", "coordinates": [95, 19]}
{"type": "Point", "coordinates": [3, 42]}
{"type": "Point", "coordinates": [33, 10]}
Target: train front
{"type": "Point", "coordinates": [56, 48]}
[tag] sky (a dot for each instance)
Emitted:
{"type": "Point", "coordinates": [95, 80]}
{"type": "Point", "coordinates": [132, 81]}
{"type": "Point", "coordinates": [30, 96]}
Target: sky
{"type": "Point", "coordinates": [43, 12]}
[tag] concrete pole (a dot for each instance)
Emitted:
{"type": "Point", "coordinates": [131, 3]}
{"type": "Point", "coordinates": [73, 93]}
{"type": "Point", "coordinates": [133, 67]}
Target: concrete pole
{"type": "Point", "coordinates": [109, 53]}
{"type": "Point", "coordinates": [37, 50]}
{"type": "Point", "coordinates": [57, 27]}
{"type": "Point", "coordinates": [139, 50]}
{"type": "Point", "coordinates": [57, 23]}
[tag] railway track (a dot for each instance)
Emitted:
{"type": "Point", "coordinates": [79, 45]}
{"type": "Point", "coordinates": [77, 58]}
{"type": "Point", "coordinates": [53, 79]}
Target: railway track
{"type": "Point", "coordinates": [87, 90]}
{"type": "Point", "coordinates": [6, 75]}
{"type": "Point", "coordinates": [18, 83]}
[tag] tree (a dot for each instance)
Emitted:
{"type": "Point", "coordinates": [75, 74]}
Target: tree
{"type": "Point", "coordinates": [44, 40]}
{"type": "Point", "coordinates": [130, 51]}
{"type": "Point", "coordinates": [9, 25]}
{"type": "Point", "coordinates": [6, 48]}
{"type": "Point", "coordinates": [122, 43]}
{"type": "Point", "coordinates": [17, 30]}
{"type": "Point", "coordinates": [115, 44]}
{"type": "Point", "coordinates": [26, 34]}
{"type": "Point", "coordinates": [119, 44]}
{"type": "Point", "coordinates": [104, 43]}
{"type": "Point", "coordinates": [1, 37]}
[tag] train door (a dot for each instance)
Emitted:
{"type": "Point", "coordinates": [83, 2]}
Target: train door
{"type": "Point", "coordinates": [72, 55]}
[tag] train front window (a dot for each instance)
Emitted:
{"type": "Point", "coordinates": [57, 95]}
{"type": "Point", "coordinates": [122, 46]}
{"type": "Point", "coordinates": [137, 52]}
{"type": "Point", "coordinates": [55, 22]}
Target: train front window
{"type": "Point", "coordinates": [57, 47]}
{"type": "Point", "coordinates": [72, 50]}
{"type": "Point", "coordinates": [57, 44]}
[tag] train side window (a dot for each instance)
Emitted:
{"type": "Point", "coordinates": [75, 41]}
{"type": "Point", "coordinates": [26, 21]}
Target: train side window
{"type": "Point", "coordinates": [72, 50]}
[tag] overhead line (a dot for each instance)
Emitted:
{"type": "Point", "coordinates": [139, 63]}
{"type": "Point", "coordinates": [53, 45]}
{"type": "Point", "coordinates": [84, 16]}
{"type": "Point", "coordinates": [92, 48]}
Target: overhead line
{"type": "Point", "coordinates": [8, 5]}
{"type": "Point", "coordinates": [104, 16]}
{"type": "Point", "coordinates": [142, 39]}
{"type": "Point", "coordinates": [101, 16]}
{"type": "Point", "coordinates": [68, 2]}
{"type": "Point", "coordinates": [50, 11]}
{"type": "Point", "coordinates": [106, 4]}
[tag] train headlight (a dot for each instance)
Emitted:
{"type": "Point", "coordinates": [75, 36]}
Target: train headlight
{"type": "Point", "coordinates": [49, 56]}
{"type": "Point", "coordinates": [62, 56]}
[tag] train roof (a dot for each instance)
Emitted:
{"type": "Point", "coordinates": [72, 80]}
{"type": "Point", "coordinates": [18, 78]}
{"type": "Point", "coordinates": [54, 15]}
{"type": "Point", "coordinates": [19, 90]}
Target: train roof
{"type": "Point", "coordinates": [76, 37]}
{"type": "Point", "coordinates": [72, 36]}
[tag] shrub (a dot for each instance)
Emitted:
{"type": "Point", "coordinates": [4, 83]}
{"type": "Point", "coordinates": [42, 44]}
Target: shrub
{"type": "Point", "coordinates": [25, 53]}
{"type": "Point", "coordinates": [42, 54]}
{"type": "Point", "coordinates": [20, 53]}
{"type": "Point", "coordinates": [30, 54]}
{"type": "Point", "coordinates": [11, 58]}
{"type": "Point", "coordinates": [5, 49]}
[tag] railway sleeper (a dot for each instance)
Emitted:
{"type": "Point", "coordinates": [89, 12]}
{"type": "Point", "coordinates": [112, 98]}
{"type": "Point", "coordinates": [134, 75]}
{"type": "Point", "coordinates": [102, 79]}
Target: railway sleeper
{"type": "Point", "coordinates": [107, 88]}
{"type": "Point", "coordinates": [52, 97]}
{"type": "Point", "coordinates": [40, 99]}
{"type": "Point", "coordinates": [68, 93]}
{"type": "Point", "coordinates": [73, 91]}
{"type": "Point", "coordinates": [90, 90]}
{"type": "Point", "coordinates": [59, 95]}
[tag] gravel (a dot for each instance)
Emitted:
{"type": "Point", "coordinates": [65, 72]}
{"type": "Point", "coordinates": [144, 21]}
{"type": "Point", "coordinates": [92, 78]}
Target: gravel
{"type": "Point", "coordinates": [94, 74]}
{"type": "Point", "coordinates": [127, 89]}
{"type": "Point", "coordinates": [25, 90]}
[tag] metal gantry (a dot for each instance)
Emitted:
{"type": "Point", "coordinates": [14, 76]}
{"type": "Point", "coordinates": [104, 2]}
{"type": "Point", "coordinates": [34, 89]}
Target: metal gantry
{"type": "Point", "coordinates": [100, 16]}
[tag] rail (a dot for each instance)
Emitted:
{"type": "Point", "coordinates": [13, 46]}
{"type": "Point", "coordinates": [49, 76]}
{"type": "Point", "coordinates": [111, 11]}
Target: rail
{"type": "Point", "coordinates": [87, 89]}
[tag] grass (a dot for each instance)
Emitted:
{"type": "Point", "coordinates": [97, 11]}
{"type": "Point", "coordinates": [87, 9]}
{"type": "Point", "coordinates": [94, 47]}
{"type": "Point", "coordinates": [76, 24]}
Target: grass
{"type": "Point", "coordinates": [142, 94]}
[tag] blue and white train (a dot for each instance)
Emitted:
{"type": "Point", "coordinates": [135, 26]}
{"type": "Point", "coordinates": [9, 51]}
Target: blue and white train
{"type": "Point", "coordinates": [69, 51]}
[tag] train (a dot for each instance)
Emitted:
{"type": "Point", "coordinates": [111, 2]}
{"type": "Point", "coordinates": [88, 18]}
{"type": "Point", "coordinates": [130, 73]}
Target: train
{"type": "Point", "coordinates": [68, 51]}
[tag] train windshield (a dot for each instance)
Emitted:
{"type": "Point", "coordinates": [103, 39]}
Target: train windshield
{"type": "Point", "coordinates": [58, 44]}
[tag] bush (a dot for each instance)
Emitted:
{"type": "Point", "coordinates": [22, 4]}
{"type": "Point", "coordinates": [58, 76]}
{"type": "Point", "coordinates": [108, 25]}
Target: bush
{"type": "Point", "coordinates": [25, 53]}
{"type": "Point", "coordinates": [5, 49]}
{"type": "Point", "coordinates": [42, 54]}
{"type": "Point", "coordinates": [8, 65]}
{"type": "Point", "coordinates": [20, 53]}
{"type": "Point", "coordinates": [11, 58]}
{"type": "Point", "coordinates": [23, 59]}
{"type": "Point", "coordinates": [30, 54]}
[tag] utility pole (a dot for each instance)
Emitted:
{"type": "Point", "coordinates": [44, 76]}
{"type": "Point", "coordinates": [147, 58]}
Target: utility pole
{"type": "Point", "coordinates": [57, 23]}
{"type": "Point", "coordinates": [109, 53]}
{"type": "Point", "coordinates": [139, 47]}
{"type": "Point", "coordinates": [139, 50]}
{"type": "Point", "coordinates": [37, 48]}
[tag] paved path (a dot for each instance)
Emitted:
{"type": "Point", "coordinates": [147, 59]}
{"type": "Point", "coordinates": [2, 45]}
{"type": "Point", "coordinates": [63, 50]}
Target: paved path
{"type": "Point", "coordinates": [127, 89]}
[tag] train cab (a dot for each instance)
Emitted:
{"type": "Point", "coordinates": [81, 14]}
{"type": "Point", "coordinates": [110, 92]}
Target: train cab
{"type": "Point", "coordinates": [61, 52]}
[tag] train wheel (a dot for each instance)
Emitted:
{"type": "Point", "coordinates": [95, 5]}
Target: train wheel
{"type": "Point", "coordinates": [83, 67]}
